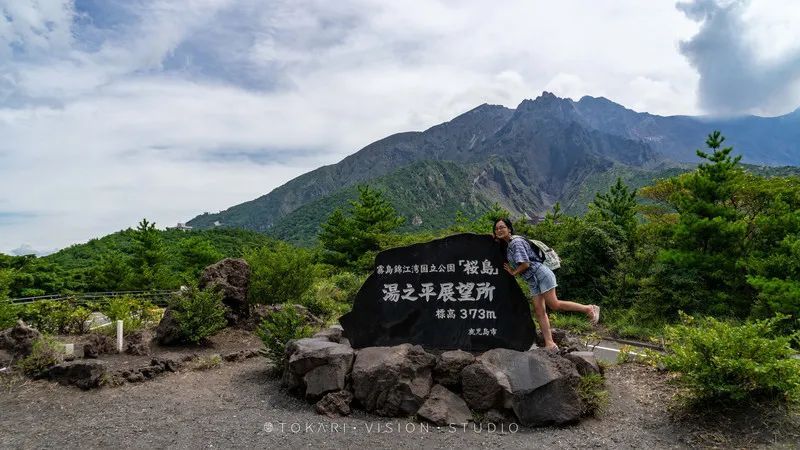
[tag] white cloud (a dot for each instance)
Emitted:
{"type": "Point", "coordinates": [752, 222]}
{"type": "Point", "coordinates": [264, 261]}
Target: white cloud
{"type": "Point", "coordinates": [179, 107]}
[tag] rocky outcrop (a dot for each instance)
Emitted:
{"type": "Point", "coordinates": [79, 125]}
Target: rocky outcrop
{"type": "Point", "coordinates": [444, 407]}
{"type": "Point", "coordinates": [485, 386]}
{"type": "Point", "coordinates": [585, 362]}
{"type": "Point", "coordinates": [19, 339]}
{"type": "Point", "coordinates": [231, 277]}
{"type": "Point", "coordinates": [392, 381]}
{"type": "Point", "coordinates": [316, 366]}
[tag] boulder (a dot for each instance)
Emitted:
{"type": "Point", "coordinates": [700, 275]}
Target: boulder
{"type": "Point", "coordinates": [80, 373]}
{"type": "Point", "coordinates": [485, 386]}
{"type": "Point", "coordinates": [332, 334]}
{"type": "Point", "coordinates": [543, 385]}
{"type": "Point", "coordinates": [449, 366]}
{"type": "Point", "coordinates": [585, 362]}
{"type": "Point", "coordinates": [565, 341]}
{"type": "Point", "coordinates": [168, 332]}
{"type": "Point", "coordinates": [335, 404]}
{"type": "Point", "coordinates": [231, 276]}
{"type": "Point", "coordinates": [443, 407]}
{"type": "Point", "coordinates": [392, 381]}
{"type": "Point", "coordinates": [320, 366]}
{"type": "Point", "coordinates": [19, 339]}
{"type": "Point", "coordinates": [138, 343]}
{"type": "Point", "coordinates": [97, 344]}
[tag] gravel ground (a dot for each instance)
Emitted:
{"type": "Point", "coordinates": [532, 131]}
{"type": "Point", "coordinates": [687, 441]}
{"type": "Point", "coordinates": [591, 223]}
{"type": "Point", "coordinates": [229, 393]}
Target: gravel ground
{"type": "Point", "coordinates": [238, 405]}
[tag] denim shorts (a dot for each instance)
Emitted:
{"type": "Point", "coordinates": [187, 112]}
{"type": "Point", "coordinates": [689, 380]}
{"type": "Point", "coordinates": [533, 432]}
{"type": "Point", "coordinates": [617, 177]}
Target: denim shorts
{"type": "Point", "coordinates": [542, 281]}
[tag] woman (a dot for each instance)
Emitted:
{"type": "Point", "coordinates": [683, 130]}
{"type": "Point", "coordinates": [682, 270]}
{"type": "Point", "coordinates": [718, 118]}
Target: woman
{"type": "Point", "coordinates": [541, 280]}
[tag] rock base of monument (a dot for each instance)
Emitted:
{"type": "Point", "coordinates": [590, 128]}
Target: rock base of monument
{"type": "Point", "coordinates": [532, 388]}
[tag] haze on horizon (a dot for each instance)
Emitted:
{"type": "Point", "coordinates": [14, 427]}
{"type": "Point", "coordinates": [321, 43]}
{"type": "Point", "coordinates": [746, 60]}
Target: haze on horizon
{"type": "Point", "coordinates": [111, 111]}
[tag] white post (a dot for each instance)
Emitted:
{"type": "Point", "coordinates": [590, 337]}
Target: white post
{"type": "Point", "coordinates": [69, 349]}
{"type": "Point", "coordinates": [119, 336]}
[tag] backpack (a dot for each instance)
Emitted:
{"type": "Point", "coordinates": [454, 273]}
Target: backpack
{"type": "Point", "coordinates": [543, 253]}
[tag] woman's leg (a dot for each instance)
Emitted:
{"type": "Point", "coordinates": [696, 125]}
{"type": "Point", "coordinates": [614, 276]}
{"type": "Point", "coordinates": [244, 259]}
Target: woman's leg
{"type": "Point", "coordinates": [544, 322]}
{"type": "Point", "coordinates": [552, 302]}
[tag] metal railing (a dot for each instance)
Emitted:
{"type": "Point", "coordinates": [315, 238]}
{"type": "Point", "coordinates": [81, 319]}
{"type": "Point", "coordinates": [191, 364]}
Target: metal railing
{"type": "Point", "coordinates": [155, 296]}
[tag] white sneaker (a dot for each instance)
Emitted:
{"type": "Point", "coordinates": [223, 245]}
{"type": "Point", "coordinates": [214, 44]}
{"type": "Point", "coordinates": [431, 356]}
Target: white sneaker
{"type": "Point", "coordinates": [595, 317]}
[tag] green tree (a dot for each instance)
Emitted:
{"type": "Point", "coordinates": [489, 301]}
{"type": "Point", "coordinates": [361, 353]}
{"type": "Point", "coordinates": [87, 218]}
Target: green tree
{"type": "Point", "coordinates": [112, 272]}
{"type": "Point", "coordinates": [147, 257]}
{"type": "Point", "coordinates": [197, 253]}
{"type": "Point", "coordinates": [351, 239]}
{"type": "Point", "coordinates": [618, 206]}
{"type": "Point", "coordinates": [280, 273]}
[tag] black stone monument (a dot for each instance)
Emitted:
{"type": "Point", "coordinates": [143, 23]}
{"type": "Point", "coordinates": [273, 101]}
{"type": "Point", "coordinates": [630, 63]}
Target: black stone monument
{"type": "Point", "coordinates": [447, 294]}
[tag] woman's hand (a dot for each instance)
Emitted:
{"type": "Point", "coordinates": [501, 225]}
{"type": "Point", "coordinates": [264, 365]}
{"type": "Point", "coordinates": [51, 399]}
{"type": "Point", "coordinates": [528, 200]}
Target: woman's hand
{"type": "Point", "coordinates": [508, 269]}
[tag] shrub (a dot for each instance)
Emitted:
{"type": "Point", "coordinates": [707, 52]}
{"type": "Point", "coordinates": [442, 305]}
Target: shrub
{"type": "Point", "coordinates": [199, 314]}
{"type": "Point", "coordinates": [208, 362]}
{"type": "Point", "coordinates": [724, 363]}
{"type": "Point", "coordinates": [134, 313]}
{"type": "Point", "coordinates": [280, 273]}
{"type": "Point", "coordinates": [329, 298]}
{"type": "Point", "coordinates": [8, 314]}
{"type": "Point", "coordinates": [278, 329]}
{"type": "Point", "coordinates": [56, 316]}
{"type": "Point", "coordinates": [593, 393]}
{"type": "Point", "coordinates": [46, 353]}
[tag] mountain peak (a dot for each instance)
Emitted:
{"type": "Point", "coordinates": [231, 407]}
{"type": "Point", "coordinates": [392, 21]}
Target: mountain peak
{"type": "Point", "coordinates": [549, 105]}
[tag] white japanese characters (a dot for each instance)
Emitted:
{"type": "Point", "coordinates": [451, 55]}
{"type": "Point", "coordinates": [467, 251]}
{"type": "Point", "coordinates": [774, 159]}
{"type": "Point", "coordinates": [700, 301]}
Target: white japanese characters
{"type": "Point", "coordinates": [448, 292]}
{"type": "Point", "coordinates": [469, 267]}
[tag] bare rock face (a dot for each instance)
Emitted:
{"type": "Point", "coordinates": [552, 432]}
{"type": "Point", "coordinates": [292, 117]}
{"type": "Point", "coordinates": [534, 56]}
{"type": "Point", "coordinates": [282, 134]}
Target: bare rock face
{"type": "Point", "coordinates": [19, 339]}
{"type": "Point", "coordinates": [543, 385]}
{"type": "Point", "coordinates": [449, 366]}
{"type": "Point", "coordinates": [231, 276]}
{"type": "Point", "coordinates": [444, 407]}
{"type": "Point", "coordinates": [98, 344]}
{"type": "Point", "coordinates": [335, 404]}
{"type": "Point", "coordinates": [80, 373]}
{"type": "Point", "coordinates": [317, 366]}
{"type": "Point", "coordinates": [138, 343]}
{"type": "Point", "coordinates": [392, 381]}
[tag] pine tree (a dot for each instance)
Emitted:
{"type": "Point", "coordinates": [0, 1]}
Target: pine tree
{"type": "Point", "coordinates": [148, 256]}
{"type": "Point", "coordinates": [351, 239]}
{"type": "Point", "coordinates": [618, 207]}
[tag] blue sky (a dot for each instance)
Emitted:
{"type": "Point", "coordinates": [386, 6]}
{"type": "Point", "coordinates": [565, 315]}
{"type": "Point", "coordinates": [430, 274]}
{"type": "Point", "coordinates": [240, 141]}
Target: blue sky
{"type": "Point", "coordinates": [114, 110]}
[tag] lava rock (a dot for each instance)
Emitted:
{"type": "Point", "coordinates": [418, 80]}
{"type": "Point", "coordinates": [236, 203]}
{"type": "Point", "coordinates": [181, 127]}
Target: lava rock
{"type": "Point", "coordinates": [585, 362]}
{"type": "Point", "coordinates": [335, 404]}
{"type": "Point", "coordinates": [98, 344]}
{"type": "Point", "coordinates": [485, 386]}
{"type": "Point", "coordinates": [332, 334]}
{"type": "Point", "coordinates": [168, 331]}
{"type": "Point", "coordinates": [449, 366]}
{"type": "Point", "coordinates": [392, 381]}
{"type": "Point", "coordinates": [322, 366]}
{"type": "Point", "coordinates": [443, 407]}
{"type": "Point", "coordinates": [19, 339]}
{"type": "Point", "coordinates": [565, 341]}
{"type": "Point", "coordinates": [138, 343]}
{"type": "Point", "coordinates": [543, 385]}
{"type": "Point", "coordinates": [231, 276]}
{"type": "Point", "coordinates": [80, 373]}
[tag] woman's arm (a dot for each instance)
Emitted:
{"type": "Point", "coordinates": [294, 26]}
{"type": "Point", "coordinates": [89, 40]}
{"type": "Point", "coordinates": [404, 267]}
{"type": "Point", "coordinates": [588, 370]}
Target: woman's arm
{"type": "Point", "coordinates": [521, 267]}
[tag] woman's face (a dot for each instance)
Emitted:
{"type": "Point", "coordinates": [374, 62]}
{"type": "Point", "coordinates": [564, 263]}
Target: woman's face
{"type": "Point", "coordinates": [501, 231]}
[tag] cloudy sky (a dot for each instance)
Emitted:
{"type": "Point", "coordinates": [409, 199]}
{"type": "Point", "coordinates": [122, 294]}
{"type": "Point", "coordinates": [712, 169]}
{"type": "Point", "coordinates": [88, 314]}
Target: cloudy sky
{"type": "Point", "coordinates": [115, 110]}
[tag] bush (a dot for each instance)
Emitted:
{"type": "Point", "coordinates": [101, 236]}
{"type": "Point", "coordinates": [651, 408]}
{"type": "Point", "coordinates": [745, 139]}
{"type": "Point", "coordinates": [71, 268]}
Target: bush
{"type": "Point", "coordinates": [278, 329]}
{"type": "Point", "coordinates": [8, 314]}
{"type": "Point", "coordinates": [330, 298]}
{"type": "Point", "coordinates": [199, 314]}
{"type": "Point", "coordinates": [134, 313]}
{"type": "Point", "coordinates": [47, 352]}
{"type": "Point", "coordinates": [56, 316]}
{"type": "Point", "coordinates": [280, 273]}
{"type": "Point", "coordinates": [724, 363]}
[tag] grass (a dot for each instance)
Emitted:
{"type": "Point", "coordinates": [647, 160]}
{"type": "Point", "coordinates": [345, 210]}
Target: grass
{"type": "Point", "coordinates": [208, 362]}
{"type": "Point", "coordinates": [593, 393]}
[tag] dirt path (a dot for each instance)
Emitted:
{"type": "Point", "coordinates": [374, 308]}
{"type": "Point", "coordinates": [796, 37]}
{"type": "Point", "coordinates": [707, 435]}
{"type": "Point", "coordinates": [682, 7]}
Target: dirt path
{"type": "Point", "coordinates": [237, 405]}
